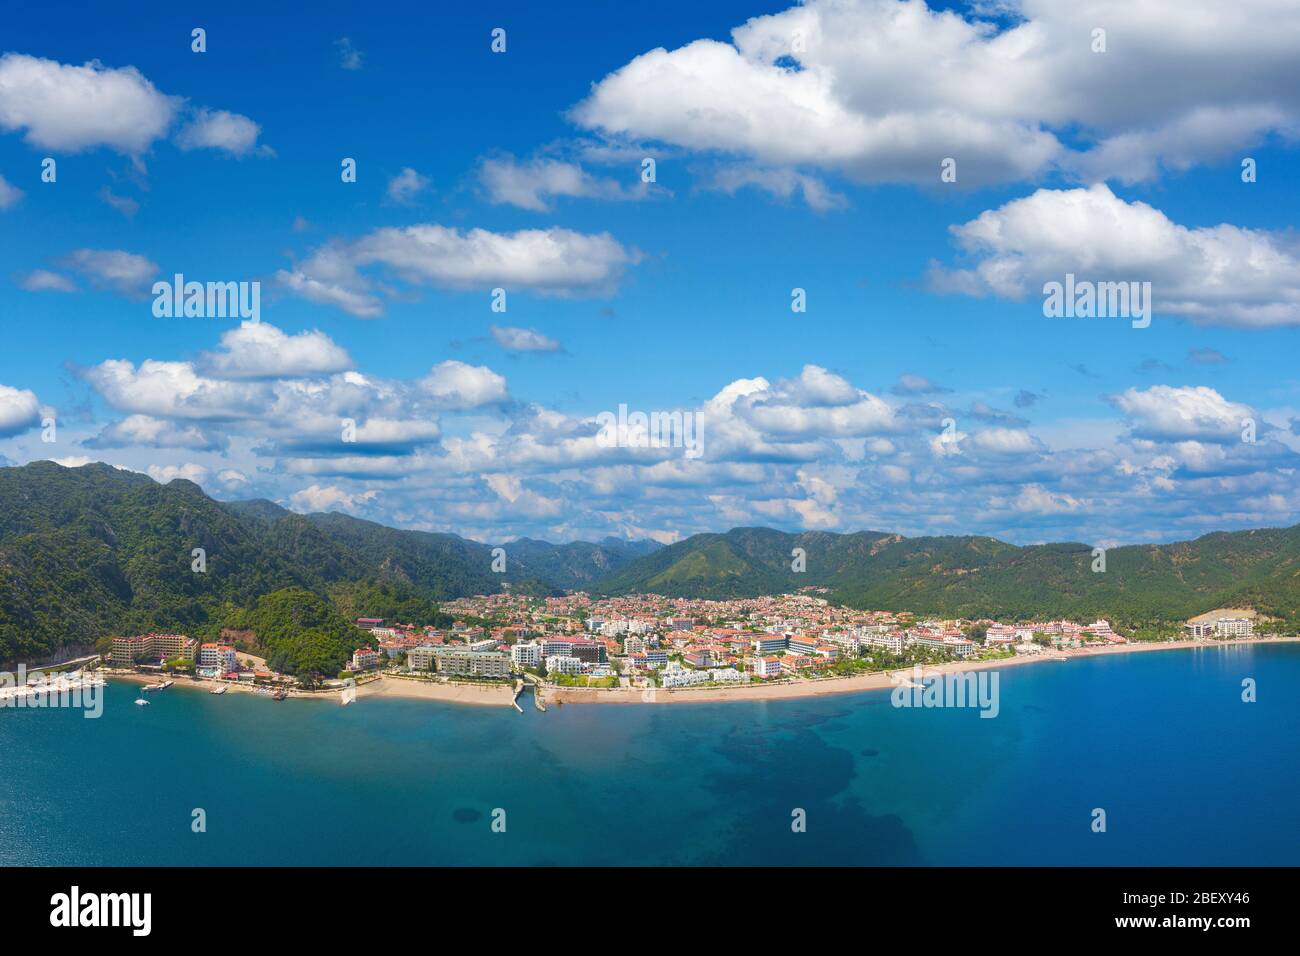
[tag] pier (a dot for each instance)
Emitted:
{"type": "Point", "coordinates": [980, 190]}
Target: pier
{"type": "Point", "coordinates": [537, 693]}
{"type": "Point", "coordinates": [50, 689]}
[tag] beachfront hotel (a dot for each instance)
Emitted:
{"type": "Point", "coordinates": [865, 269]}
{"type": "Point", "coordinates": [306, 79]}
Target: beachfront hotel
{"type": "Point", "coordinates": [561, 664]}
{"type": "Point", "coordinates": [954, 645]}
{"type": "Point", "coordinates": [771, 644]}
{"type": "Point", "coordinates": [220, 656]}
{"type": "Point", "coordinates": [150, 648]}
{"type": "Point", "coordinates": [1221, 627]}
{"type": "Point", "coordinates": [364, 658]}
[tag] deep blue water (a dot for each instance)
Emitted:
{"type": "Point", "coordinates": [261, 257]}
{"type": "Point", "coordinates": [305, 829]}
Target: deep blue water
{"type": "Point", "coordinates": [1186, 772]}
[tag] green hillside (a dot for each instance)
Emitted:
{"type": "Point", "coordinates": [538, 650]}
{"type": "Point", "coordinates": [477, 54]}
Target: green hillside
{"type": "Point", "coordinates": [978, 577]}
{"type": "Point", "coordinates": [93, 551]}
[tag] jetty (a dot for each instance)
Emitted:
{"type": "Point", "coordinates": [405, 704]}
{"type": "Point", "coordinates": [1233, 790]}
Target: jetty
{"type": "Point", "coordinates": [53, 685]}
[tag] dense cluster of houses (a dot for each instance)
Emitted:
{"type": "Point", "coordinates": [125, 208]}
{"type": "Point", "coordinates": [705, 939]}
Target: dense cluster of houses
{"type": "Point", "coordinates": [649, 639]}
{"type": "Point", "coordinates": [681, 643]}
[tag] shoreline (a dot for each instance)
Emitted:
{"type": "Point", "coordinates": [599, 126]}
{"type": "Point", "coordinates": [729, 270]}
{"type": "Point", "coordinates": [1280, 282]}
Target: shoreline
{"type": "Point", "coordinates": [396, 688]}
{"type": "Point", "coordinates": [878, 680]}
{"type": "Point", "coordinates": [503, 695]}
{"type": "Point", "coordinates": [465, 692]}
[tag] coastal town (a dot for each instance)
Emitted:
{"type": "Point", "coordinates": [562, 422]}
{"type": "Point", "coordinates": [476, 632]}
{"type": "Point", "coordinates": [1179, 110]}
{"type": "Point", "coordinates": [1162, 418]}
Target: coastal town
{"type": "Point", "coordinates": [640, 643]}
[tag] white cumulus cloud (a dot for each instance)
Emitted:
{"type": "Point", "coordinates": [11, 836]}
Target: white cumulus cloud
{"type": "Point", "coordinates": [883, 90]}
{"type": "Point", "coordinates": [549, 261]}
{"type": "Point", "coordinates": [457, 385]}
{"type": "Point", "coordinates": [1210, 274]}
{"type": "Point", "coordinates": [19, 410]}
{"type": "Point", "coordinates": [222, 130]}
{"type": "Point", "coordinates": [72, 108]}
{"type": "Point", "coordinates": [1166, 413]}
{"type": "Point", "coordinates": [263, 351]}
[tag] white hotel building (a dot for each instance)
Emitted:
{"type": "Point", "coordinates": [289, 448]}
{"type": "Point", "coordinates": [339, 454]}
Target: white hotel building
{"type": "Point", "coordinates": [893, 643]}
{"type": "Point", "coordinates": [526, 655]}
{"type": "Point", "coordinates": [1222, 627]}
{"type": "Point", "coordinates": [555, 664]}
{"type": "Point", "coordinates": [953, 645]}
{"type": "Point", "coordinates": [217, 655]}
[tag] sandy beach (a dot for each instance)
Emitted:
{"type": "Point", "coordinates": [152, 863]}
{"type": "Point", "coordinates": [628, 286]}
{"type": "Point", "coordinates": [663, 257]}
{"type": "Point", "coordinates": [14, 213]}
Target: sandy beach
{"type": "Point", "coordinates": [499, 695]}
{"type": "Point", "coordinates": [786, 690]}
{"type": "Point", "coordinates": [468, 692]}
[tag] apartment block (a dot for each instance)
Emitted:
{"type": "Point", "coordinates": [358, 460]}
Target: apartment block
{"type": "Point", "coordinates": [456, 662]}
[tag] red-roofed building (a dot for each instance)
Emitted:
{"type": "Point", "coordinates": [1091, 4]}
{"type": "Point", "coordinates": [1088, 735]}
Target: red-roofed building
{"type": "Point", "coordinates": [364, 658]}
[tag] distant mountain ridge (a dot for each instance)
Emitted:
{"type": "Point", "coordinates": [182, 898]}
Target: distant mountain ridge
{"type": "Point", "coordinates": [91, 551]}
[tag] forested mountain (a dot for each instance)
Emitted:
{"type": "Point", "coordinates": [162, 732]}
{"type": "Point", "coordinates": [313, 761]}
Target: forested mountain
{"type": "Point", "coordinates": [90, 551]}
{"type": "Point", "coordinates": [982, 577]}
{"type": "Point", "coordinates": [93, 551]}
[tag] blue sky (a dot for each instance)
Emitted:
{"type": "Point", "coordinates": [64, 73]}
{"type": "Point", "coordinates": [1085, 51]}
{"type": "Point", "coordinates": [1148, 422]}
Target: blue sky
{"type": "Point", "coordinates": [801, 151]}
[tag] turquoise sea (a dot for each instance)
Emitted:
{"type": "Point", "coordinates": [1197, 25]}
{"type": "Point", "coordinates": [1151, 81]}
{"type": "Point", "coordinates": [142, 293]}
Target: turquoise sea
{"type": "Point", "coordinates": [1186, 772]}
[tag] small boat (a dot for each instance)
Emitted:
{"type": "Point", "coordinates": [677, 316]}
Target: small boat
{"type": "Point", "coordinates": [219, 689]}
{"type": "Point", "coordinates": [141, 702]}
{"type": "Point", "coordinates": [280, 694]}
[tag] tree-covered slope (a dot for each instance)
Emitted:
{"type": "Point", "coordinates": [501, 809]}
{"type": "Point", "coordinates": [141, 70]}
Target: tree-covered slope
{"type": "Point", "coordinates": [977, 576]}
{"type": "Point", "coordinates": [93, 551]}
